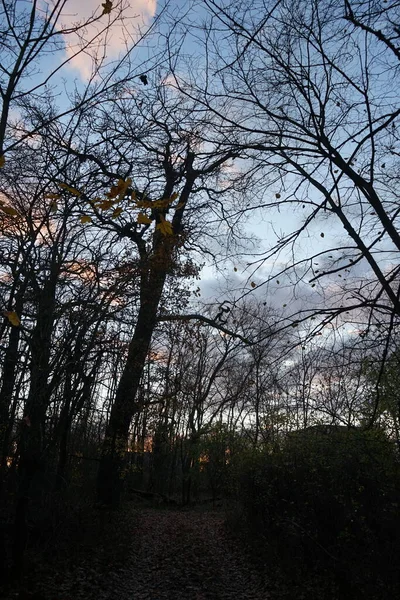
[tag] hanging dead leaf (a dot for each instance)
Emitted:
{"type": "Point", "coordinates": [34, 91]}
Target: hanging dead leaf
{"type": "Point", "coordinates": [85, 219]}
{"type": "Point", "coordinates": [253, 285]}
{"type": "Point", "coordinates": [143, 219]}
{"type": "Point", "coordinates": [165, 226]}
{"type": "Point", "coordinates": [52, 196]}
{"type": "Point", "coordinates": [105, 204]}
{"type": "Point", "coordinates": [2, 161]}
{"type": "Point", "coordinates": [70, 189]}
{"type": "Point", "coordinates": [53, 207]}
{"type": "Point", "coordinates": [107, 6]}
{"type": "Point", "coordinates": [144, 204]}
{"type": "Point", "coordinates": [13, 318]}
{"type": "Point", "coordinates": [117, 212]}
{"type": "Point", "coordinates": [9, 210]}
{"type": "Point", "coordinates": [119, 190]}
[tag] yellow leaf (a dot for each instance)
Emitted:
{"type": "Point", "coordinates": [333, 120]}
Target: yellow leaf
{"type": "Point", "coordinates": [113, 193]}
{"type": "Point", "coordinates": [107, 6]}
{"type": "Point", "coordinates": [165, 226]}
{"type": "Point", "coordinates": [119, 189]}
{"type": "Point", "coordinates": [52, 196]}
{"type": "Point", "coordinates": [117, 212]}
{"type": "Point", "coordinates": [2, 161]}
{"type": "Point", "coordinates": [85, 219]}
{"type": "Point", "coordinates": [164, 202]}
{"type": "Point", "coordinates": [144, 204]}
{"type": "Point", "coordinates": [161, 204]}
{"type": "Point", "coordinates": [9, 210]}
{"type": "Point", "coordinates": [12, 316]}
{"type": "Point", "coordinates": [143, 219]}
{"type": "Point", "coordinates": [105, 204]}
{"type": "Point", "coordinates": [70, 189]}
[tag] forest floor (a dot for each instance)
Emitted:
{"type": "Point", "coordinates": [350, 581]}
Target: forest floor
{"type": "Point", "coordinates": [151, 554]}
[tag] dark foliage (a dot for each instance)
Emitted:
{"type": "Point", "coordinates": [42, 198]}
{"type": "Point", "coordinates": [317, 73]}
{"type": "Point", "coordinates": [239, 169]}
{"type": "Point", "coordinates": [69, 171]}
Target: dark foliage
{"type": "Point", "coordinates": [324, 507]}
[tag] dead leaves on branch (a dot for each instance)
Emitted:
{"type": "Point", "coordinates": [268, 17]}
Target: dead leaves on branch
{"type": "Point", "coordinates": [117, 194]}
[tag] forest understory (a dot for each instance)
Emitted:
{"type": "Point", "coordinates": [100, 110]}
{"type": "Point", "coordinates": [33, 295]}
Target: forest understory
{"type": "Point", "coordinates": [145, 553]}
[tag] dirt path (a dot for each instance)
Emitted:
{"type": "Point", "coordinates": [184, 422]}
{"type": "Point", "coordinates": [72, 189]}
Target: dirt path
{"type": "Point", "coordinates": [188, 555]}
{"type": "Point", "coordinates": [174, 555]}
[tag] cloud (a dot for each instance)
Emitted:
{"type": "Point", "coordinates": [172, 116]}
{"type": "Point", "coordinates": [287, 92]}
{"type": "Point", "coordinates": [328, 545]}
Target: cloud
{"type": "Point", "coordinates": [128, 20]}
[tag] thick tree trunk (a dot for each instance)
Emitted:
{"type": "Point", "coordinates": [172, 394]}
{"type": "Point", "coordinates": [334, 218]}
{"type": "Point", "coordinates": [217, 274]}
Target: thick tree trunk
{"type": "Point", "coordinates": [7, 389]}
{"type": "Point", "coordinates": [110, 476]}
{"type": "Point", "coordinates": [31, 467]}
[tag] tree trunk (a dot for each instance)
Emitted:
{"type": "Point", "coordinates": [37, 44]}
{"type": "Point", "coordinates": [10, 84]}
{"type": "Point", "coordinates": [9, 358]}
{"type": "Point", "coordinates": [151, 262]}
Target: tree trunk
{"type": "Point", "coordinates": [7, 388]}
{"type": "Point", "coordinates": [110, 476]}
{"type": "Point", "coordinates": [31, 467]}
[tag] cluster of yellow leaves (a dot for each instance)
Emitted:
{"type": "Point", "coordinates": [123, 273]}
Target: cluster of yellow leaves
{"type": "Point", "coordinates": [118, 193]}
{"type": "Point", "coordinates": [161, 204]}
{"type": "Point", "coordinates": [12, 316]}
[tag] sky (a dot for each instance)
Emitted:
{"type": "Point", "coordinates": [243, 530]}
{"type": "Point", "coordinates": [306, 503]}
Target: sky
{"type": "Point", "coordinates": [138, 15]}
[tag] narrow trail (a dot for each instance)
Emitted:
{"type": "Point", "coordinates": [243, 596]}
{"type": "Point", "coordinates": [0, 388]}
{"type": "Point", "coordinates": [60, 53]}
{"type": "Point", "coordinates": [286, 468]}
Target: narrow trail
{"type": "Point", "coordinates": [174, 555]}
{"type": "Point", "coordinates": [188, 555]}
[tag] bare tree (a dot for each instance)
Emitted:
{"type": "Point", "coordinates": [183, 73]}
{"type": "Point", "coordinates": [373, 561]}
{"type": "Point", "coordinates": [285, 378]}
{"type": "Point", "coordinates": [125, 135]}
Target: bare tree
{"type": "Point", "coordinates": [308, 91]}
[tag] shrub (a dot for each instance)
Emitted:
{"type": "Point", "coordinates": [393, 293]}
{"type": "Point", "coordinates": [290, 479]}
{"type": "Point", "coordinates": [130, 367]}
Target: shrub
{"type": "Point", "coordinates": [325, 506]}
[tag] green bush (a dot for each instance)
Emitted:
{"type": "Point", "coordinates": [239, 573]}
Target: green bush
{"type": "Point", "coordinates": [325, 507]}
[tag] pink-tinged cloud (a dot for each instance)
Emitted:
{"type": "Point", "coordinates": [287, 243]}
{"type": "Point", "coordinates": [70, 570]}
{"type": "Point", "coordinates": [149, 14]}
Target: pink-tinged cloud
{"type": "Point", "coordinates": [128, 20]}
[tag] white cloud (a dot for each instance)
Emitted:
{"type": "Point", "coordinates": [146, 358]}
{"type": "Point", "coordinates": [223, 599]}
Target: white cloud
{"type": "Point", "coordinates": [128, 20]}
